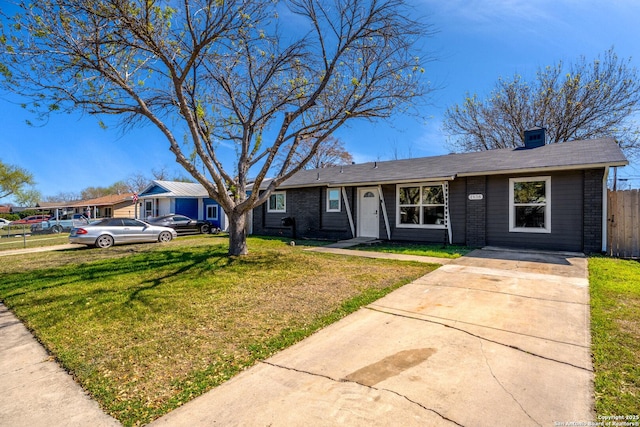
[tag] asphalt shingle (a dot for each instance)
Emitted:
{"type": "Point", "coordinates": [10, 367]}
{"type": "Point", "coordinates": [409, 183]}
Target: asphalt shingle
{"type": "Point", "coordinates": [567, 155]}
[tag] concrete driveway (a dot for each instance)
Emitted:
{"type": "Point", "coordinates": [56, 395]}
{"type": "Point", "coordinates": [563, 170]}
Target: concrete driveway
{"type": "Point", "coordinates": [493, 338]}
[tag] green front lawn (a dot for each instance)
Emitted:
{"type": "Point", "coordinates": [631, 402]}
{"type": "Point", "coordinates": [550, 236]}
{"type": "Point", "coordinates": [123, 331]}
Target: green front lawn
{"type": "Point", "coordinates": [615, 334]}
{"type": "Point", "coordinates": [31, 241]}
{"type": "Point", "coordinates": [440, 251]}
{"type": "Point", "coordinates": [145, 328]}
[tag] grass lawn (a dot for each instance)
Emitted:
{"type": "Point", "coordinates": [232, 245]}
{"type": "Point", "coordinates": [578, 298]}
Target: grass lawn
{"type": "Point", "coordinates": [145, 328]}
{"type": "Point", "coordinates": [31, 241]}
{"type": "Point", "coordinates": [615, 332]}
{"type": "Point", "coordinates": [440, 251]}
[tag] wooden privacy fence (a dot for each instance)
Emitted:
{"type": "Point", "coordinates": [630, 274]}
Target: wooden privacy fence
{"type": "Point", "coordinates": [623, 224]}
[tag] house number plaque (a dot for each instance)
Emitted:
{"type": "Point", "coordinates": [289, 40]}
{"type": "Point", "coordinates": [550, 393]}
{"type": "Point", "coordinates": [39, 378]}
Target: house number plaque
{"type": "Point", "coordinates": [476, 197]}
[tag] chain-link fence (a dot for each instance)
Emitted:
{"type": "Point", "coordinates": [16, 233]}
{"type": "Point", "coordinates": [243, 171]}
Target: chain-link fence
{"type": "Point", "coordinates": [20, 236]}
{"type": "Point", "coordinates": [35, 229]}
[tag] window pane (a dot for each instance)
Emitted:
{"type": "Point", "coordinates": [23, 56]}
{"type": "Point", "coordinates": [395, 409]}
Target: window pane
{"type": "Point", "coordinates": [409, 195]}
{"type": "Point", "coordinates": [529, 192]}
{"type": "Point", "coordinates": [530, 216]}
{"type": "Point", "coordinates": [410, 215]}
{"type": "Point", "coordinates": [277, 202]}
{"type": "Point", "coordinates": [433, 215]}
{"type": "Point", "coordinates": [334, 199]}
{"type": "Point", "coordinates": [433, 195]}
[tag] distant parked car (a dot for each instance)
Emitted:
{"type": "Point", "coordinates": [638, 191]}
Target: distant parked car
{"type": "Point", "coordinates": [31, 219]}
{"type": "Point", "coordinates": [183, 224]}
{"type": "Point", "coordinates": [4, 222]}
{"type": "Point", "coordinates": [114, 231]}
{"type": "Point", "coordinates": [60, 224]}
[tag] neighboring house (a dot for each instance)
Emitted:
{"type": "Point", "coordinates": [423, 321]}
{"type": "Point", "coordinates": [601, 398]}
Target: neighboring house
{"type": "Point", "coordinates": [112, 206]}
{"type": "Point", "coordinates": [184, 198]}
{"type": "Point", "coordinates": [538, 196]}
{"type": "Point", "coordinates": [55, 208]}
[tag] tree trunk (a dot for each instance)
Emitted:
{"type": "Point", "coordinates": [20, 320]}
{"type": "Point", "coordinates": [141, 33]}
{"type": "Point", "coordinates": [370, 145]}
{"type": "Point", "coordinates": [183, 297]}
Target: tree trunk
{"type": "Point", "coordinates": [237, 234]}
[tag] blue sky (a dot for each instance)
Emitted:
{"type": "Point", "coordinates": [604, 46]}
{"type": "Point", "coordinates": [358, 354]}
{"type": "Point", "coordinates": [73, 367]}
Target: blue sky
{"type": "Point", "coordinates": [477, 41]}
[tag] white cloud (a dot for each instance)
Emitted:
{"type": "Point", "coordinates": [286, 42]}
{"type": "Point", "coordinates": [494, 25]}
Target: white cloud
{"type": "Point", "coordinates": [431, 140]}
{"type": "Point", "coordinates": [488, 11]}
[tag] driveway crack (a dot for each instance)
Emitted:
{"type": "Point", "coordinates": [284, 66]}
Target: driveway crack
{"type": "Point", "coordinates": [420, 319]}
{"type": "Point", "coordinates": [486, 360]}
{"type": "Point", "coordinates": [344, 380]}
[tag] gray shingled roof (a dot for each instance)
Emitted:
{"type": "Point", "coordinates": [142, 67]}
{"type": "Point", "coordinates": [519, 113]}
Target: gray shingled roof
{"type": "Point", "coordinates": [563, 156]}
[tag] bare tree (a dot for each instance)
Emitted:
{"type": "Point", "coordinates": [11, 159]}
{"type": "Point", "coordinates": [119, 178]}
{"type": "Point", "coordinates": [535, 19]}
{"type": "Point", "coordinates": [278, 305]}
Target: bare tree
{"type": "Point", "coordinates": [137, 182]}
{"type": "Point", "coordinates": [396, 154]}
{"type": "Point", "coordinates": [332, 152]}
{"type": "Point", "coordinates": [63, 197]}
{"type": "Point", "coordinates": [585, 100]}
{"type": "Point", "coordinates": [162, 174]}
{"type": "Point", "coordinates": [222, 73]}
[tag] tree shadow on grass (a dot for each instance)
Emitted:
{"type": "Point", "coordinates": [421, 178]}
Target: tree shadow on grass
{"type": "Point", "coordinates": [187, 261]}
{"type": "Point", "coordinates": [77, 283]}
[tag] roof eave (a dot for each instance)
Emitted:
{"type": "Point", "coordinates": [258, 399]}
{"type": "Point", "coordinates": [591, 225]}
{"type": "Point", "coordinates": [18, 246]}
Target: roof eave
{"type": "Point", "coordinates": [367, 183]}
{"type": "Point", "coordinates": [545, 169]}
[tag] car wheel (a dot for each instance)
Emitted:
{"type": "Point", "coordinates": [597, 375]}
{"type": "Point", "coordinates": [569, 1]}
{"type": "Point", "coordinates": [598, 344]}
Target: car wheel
{"type": "Point", "coordinates": [205, 228]}
{"type": "Point", "coordinates": [56, 229]}
{"type": "Point", "coordinates": [104, 241]}
{"type": "Point", "coordinates": [165, 237]}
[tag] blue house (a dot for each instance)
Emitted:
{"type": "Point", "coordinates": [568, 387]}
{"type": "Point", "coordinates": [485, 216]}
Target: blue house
{"type": "Point", "coordinates": [184, 198]}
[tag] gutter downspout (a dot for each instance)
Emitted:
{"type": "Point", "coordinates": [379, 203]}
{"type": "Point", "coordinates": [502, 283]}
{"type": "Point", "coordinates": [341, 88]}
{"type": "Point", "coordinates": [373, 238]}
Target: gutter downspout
{"type": "Point", "coordinates": [447, 214]}
{"type": "Point", "coordinates": [605, 209]}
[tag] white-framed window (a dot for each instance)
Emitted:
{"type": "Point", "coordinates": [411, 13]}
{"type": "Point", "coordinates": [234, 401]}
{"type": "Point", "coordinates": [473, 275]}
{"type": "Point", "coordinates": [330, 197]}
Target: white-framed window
{"type": "Point", "coordinates": [333, 200]}
{"type": "Point", "coordinates": [277, 202]}
{"type": "Point", "coordinates": [530, 204]}
{"type": "Point", "coordinates": [421, 205]}
{"type": "Point", "coordinates": [212, 212]}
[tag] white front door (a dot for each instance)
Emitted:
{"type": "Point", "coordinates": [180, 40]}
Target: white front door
{"type": "Point", "coordinates": [368, 208]}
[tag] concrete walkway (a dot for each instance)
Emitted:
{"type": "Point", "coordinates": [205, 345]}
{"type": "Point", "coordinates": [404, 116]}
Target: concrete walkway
{"type": "Point", "coordinates": [41, 249]}
{"type": "Point", "coordinates": [493, 338]}
{"type": "Point", "coordinates": [36, 391]}
{"type": "Point", "coordinates": [383, 255]}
